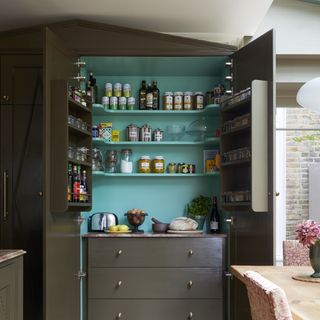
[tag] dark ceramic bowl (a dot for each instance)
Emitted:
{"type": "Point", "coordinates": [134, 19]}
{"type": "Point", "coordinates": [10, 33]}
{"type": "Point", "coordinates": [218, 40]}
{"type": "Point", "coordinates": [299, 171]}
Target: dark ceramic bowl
{"type": "Point", "coordinates": [160, 227]}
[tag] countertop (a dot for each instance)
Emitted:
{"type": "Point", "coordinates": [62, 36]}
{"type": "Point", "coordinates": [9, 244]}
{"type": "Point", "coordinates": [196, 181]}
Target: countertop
{"type": "Point", "coordinates": [153, 235]}
{"type": "Point", "coordinates": [6, 255]}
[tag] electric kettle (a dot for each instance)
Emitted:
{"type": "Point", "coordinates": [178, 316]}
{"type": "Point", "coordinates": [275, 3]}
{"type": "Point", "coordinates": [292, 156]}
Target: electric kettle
{"type": "Point", "coordinates": [100, 221]}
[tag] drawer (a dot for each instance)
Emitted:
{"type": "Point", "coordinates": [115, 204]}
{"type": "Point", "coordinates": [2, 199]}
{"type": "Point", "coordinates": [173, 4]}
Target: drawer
{"type": "Point", "coordinates": [155, 283]}
{"type": "Point", "coordinates": [155, 310]}
{"type": "Point", "coordinates": [156, 252]}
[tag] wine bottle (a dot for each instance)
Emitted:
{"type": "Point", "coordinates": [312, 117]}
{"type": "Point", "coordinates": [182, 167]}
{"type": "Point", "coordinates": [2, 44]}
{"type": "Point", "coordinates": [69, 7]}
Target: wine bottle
{"type": "Point", "coordinates": [149, 97]}
{"type": "Point", "coordinates": [214, 217]}
{"type": "Point", "coordinates": [84, 187]}
{"type": "Point", "coordinates": [93, 85]}
{"type": "Point", "coordinates": [70, 183]}
{"type": "Point", "coordinates": [142, 96]}
{"type": "Point", "coordinates": [76, 184]}
{"type": "Point", "coordinates": [156, 96]}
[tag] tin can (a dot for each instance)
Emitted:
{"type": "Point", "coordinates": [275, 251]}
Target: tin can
{"type": "Point", "coordinates": [105, 102]}
{"type": "Point", "coordinates": [115, 135]}
{"type": "Point", "coordinates": [95, 132]}
{"type": "Point", "coordinates": [131, 103]}
{"type": "Point", "coordinates": [127, 90]}
{"type": "Point", "coordinates": [113, 103]}
{"type": "Point", "coordinates": [122, 103]}
{"type": "Point", "coordinates": [185, 168]}
{"type": "Point", "coordinates": [117, 90]}
{"type": "Point", "coordinates": [108, 89]}
{"type": "Point", "coordinates": [132, 132]}
{"type": "Point", "coordinates": [145, 133]}
{"type": "Point", "coordinates": [179, 167]}
{"type": "Point", "coordinates": [172, 167]}
{"type": "Point", "coordinates": [157, 135]}
{"type": "Point", "coordinates": [192, 168]}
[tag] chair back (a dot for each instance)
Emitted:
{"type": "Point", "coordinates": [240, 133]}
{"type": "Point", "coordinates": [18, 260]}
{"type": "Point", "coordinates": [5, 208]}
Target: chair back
{"type": "Point", "coordinates": [267, 300]}
{"type": "Point", "coordinates": [295, 254]}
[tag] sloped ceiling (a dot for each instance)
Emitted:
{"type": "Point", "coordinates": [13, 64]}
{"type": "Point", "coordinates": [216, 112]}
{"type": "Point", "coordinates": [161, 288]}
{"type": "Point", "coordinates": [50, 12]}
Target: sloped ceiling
{"type": "Point", "coordinates": [224, 21]}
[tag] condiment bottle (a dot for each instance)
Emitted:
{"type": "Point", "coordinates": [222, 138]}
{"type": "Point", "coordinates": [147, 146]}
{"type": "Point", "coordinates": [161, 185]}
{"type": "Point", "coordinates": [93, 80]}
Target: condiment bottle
{"type": "Point", "coordinates": [149, 97]}
{"type": "Point", "coordinates": [142, 96]}
{"type": "Point", "coordinates": [156, 96]}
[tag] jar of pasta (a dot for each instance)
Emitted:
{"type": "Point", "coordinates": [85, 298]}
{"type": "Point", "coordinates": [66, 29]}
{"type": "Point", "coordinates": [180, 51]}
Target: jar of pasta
{"type": "Point", "coordinates": [158, 164]}
{"type": "Point", "coordinates": [144, 164]}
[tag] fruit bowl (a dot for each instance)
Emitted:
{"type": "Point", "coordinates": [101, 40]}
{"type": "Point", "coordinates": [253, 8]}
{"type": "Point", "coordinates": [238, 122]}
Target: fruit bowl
{"type": "Point", "coordinates": [136, 219]}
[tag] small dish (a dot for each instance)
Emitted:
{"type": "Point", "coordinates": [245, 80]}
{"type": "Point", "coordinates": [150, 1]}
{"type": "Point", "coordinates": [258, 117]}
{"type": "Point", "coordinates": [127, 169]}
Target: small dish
{"type": "Point", "coordinates": [116, 231]}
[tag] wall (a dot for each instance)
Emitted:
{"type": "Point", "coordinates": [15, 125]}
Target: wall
{"type": "Point", "coordinates": [299, 156]}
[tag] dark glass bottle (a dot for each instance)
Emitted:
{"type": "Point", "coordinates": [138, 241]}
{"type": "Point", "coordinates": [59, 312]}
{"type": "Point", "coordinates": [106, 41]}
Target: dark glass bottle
{"type": "Point", "coordinates": [214, 217]}
{"type": "Point", "coordinates": [149, 97]}
{"type": "Point", "coordinates": [93, 85]}
{"type": "Point", "coordinates": [76, 184]}
{"type": "Point", "coordinates": [84, 187]}
{"type": "Point", "coordinates": [156, 96]}
{"type": "Point", "coordinates": [142, 96]}
{"type": "Point", "coordinates": [70, 183]}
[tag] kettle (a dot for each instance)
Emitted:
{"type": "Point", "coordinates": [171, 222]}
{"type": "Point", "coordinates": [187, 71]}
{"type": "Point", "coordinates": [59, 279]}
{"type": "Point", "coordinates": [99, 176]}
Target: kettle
{"type": "Point", "coordinates": [100, 221]}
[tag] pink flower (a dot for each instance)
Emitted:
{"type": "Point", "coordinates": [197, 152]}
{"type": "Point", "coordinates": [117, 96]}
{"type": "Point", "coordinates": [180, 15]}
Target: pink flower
{"type": "Point", "coordinates": [308, 232]}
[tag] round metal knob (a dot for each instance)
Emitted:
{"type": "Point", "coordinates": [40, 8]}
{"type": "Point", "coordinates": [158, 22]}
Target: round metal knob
{"type": "Point", "coordinates": [40, 194]}
{"type": "Point", "coordinates": [119, 315]}
{"type": "Point", "coordinates": [190, 252]}
{"type": "Point", "coordinates": [119, 283]}
{"type": "Point", "coordinates": [119, 252]}
{"type": "Point", "coordinates": [190, 315]}
{"type": "Point", "coordinates": [190, 283]}
{"type": "Point", "coordinates": [5, 98]}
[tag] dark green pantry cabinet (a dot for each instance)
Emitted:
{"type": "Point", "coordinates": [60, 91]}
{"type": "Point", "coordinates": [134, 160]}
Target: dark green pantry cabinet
{"type": "Point", "coordinates": [59, 46]}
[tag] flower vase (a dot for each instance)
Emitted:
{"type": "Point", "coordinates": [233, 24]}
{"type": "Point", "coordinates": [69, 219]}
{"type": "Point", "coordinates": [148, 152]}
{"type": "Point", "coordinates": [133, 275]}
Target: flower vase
{"type": "Point", "coordinates": [314, 255]}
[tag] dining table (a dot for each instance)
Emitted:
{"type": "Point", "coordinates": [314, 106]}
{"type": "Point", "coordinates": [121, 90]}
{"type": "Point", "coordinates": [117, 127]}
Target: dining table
{"type": "Point", "coordinates": [303, 297]}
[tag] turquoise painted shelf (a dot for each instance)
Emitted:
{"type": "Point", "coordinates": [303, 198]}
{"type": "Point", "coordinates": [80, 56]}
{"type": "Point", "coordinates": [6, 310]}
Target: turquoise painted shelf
{"type": "Point", "coordinates": [211, 109]}
{"type": "Point", "coordinates": [209, 141]}
{"type": "Point", "coordinates": [150, 175]}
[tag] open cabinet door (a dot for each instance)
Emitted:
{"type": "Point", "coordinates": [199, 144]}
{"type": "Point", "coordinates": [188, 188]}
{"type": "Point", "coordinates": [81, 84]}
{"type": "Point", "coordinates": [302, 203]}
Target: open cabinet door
{"type": "Point", "coordinates": [62, 230]}
{"type": "Point", "coordinates": [251, 231]}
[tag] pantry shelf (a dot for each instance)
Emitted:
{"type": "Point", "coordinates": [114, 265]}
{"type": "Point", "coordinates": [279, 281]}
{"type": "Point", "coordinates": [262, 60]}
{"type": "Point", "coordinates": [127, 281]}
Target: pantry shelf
{"type": "Point", "coordinates": [149, 175]}
{"type": "Point", "coordinates": [211, 109]}
{"type": "Point", "coordinates": [209, 141]}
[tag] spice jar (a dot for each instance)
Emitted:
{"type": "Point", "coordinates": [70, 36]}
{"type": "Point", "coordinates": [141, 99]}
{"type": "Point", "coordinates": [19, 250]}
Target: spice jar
{"type": "Point", "coordinates": [144, 164]}
{"type": "Point", "coordinates": [127, 90]}
{"type": "Point", "coordinates": [198, 100]}
{"type": "Point", "coordinates": [122, 103]}
{"type": "Point", "coordinates": [177, 100]}
{"type": "Point", "coordinates": [168, 101]}
{"type": "Point", "coordinates": [132, 132]}
{"type": "Point", "coordinates": [158, 164]}
{"type": "Point", "coordinates": [108, 89]}
{"type": "Point", "coordinates": [157, 135]}
{"type": "Point", "coordinates": [187, 100]}
{"type": "Point", "coordinates": [145, 133]}
{"type": "Point", "coordinates": [117, 89]}
{"type": "Point", "coordinates": [126, 165]}
{"type": "Point", "coordinates": [111, 161]}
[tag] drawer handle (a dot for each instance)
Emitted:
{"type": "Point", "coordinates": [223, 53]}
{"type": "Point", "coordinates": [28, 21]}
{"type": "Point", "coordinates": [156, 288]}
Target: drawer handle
{"type": "Point", "coordinates": [119, 252]}
{"type": "Point", "coordinates": [119, 283]}
{"type": "Point", "coordinates": [190, 315]}
{"type": "Point", "coordinates": [190, 252]}
{"type": "Point", "coordinates": [190, 284]}
{"type": "Point", "coordinates": [119, 315]}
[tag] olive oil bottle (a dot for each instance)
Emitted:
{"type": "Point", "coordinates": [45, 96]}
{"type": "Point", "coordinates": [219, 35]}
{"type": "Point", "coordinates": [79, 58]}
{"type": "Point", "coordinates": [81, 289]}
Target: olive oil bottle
{"type": "Point", "coordinates": [142, 96]}
{"type": "Point", "coordinates": [149, 97]}
{"type": "Point", "coordinates": [156, 96]}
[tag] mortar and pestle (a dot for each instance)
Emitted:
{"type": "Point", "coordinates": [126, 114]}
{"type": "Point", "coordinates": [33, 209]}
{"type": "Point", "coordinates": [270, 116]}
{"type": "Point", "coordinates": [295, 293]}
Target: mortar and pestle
{"type": "Point", "coordinates": [159, 227]}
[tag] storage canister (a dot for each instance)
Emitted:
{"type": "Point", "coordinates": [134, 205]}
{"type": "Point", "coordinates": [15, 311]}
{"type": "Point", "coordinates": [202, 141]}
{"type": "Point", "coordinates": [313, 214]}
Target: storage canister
{"type": "Point", "coordinates": [122, 103]}
{"type": "Point", "coordinates": [127, 90]}
{"type": "Point", "coordinates": [126, 165]}
{"type": "Point", "coordinates": [168, 101]}
{"type": "Point", "coordinates": [198, 100]}
{"type": "Point", "coordinates": [131, 102]}
{"type": "Point", "coordinates": [113, 103]}
{"type": "Point", "coordinates": [177, 100]}
{"type": "Point", "coordinates": [105, 102]}
{"type": "Point", "coordinates": [187, 100]}
{"type": "Point", "coordinates": [144, 164]}
{"type": "Point", "coordinates": [108, 89]}
{"type": "Point", "coordinates": [145, 133]}
{"type": "Point", "coordinates": [172, 167]}
{"type": "Point", "coordinates": [117, 90]}
{"type": "Point", "coordinates": [132, 132]}
{"type": "Point", "coordinates": [157, 135]}
{"type": "Point", "coordinates": [158, 164]}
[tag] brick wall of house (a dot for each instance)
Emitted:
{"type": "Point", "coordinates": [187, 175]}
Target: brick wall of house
{"type": "Point", "coordinates": [298, 158]}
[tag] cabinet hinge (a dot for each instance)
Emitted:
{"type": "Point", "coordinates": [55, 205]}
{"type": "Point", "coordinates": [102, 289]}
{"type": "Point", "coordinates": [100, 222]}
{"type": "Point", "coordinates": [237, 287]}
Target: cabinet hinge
{"type": "Point", "coordinates": [81, 274]}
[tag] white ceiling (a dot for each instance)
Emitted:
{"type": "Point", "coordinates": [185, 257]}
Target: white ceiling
{"type": "Point", "coordinates": [222, 20]}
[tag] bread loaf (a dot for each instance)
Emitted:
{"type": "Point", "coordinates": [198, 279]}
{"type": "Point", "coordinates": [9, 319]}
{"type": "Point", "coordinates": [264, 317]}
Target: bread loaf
{"type": "Point", "coordinates": [183, 224]}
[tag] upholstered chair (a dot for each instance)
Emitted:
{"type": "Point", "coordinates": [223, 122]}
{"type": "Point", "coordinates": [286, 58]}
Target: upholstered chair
{"type": "Point", "coordinates": [295, 254]}
{"type": "Point", "coordinates": [267, 300]}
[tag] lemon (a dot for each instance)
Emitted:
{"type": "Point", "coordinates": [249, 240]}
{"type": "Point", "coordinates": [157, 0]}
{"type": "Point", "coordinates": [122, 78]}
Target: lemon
{"type": "Point", "coordinates": [113, 228]}
{"type": "Point", "coordinates": [123, 227]}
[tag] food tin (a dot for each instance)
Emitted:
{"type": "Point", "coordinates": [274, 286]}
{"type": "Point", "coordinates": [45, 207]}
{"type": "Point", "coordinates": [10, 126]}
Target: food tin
{"type": "Point", "coordinates": [157, 135]}
{"type": "Point", "coordinates": [108, 89]}
{"type": "Point", "coordinates": [122, 103]}
{"type": "Point", "coordinates": [179, 167]}
{"type": "Point", "coordinates": [117, 89]}
{"type": "Point", "coordinates": [131, 103]}
{"type": "Point", "coordinates": [113, 103]}
{"type": "Point", "coordinates": [192, 168]}
{"type": "Point", "coordinates": [127, 90]}
{"type": "Point", "coordinates": [145, 133]}
{"type": "Point", "coordinates": [172, 167]}
{"type": "Point", "coordinates": [105, 102]}
{"type": "Point", "coordinates": [132, 132]}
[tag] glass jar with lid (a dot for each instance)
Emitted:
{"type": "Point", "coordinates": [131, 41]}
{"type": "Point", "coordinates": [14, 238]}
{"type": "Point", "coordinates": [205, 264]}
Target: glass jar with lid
{"type": "Point", "coordinates": [168, 101]}
{"type": "Point", "coordinates": [144, 164]}
{"type": "Point", "coordinates": [187, 100]}
{"type": "Point", "coordinates": [158, 164]}
{"type": "Point", "coordinates": [126, 164]}
{"type": "Point", "coordinates": [177, 100]}
{"type": "Point", "coordinates": [198, 100]}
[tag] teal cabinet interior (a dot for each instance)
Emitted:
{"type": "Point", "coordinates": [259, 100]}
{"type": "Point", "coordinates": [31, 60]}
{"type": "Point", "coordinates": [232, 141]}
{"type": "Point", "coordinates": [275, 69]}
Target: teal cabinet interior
{"type": "Point", "coordinates": [163, 197]}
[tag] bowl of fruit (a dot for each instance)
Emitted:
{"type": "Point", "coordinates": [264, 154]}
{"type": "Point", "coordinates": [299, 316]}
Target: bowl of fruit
{"type": "Point", "coordinates": [136, 218]}
{"type": "Point", "coordinates": [119, 228]}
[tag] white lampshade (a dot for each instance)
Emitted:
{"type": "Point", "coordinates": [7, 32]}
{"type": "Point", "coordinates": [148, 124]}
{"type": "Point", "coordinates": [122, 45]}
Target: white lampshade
{"type": "Point", "coordinates": [308, 95]}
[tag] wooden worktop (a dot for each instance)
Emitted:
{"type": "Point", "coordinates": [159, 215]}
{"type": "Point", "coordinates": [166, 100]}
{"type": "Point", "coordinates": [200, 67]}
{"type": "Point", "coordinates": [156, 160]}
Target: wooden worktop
{"type": "Point", "coordinates": [6, 255]}
{"type": "Point", "coordinates": [303, 297]}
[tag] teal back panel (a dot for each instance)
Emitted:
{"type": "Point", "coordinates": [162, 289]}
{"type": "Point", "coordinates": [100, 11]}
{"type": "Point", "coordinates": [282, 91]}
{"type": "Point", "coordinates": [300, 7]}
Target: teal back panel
{"type": "Point", "coordinates": [162, 197]}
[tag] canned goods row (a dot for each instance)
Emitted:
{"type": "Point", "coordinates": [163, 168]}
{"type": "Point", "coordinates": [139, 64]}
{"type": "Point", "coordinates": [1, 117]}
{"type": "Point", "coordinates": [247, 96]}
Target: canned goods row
{"type": "Point", "coordinates": [181, 168]}
{"type": "Point", "coordinates": [118, 90]}
{"type": "Point", "coordinates": [236, 123]}
{"type": "Point", "coordinates": [118, 103]}
{"type": "Point", "coordinates": [236, 196]}
{"type": "Point", "coordinates": [237, 154]}
{"type": "Point", "coordinates": [77, 122]}
{"type": "Point", "coordinates": [78, 153]}
{"type": "Point", "coordinates": [145, 133]}
{"type": "Point", "coordinates": [238, 97]}
{"type": "Point", "coordinates": [183, 101]}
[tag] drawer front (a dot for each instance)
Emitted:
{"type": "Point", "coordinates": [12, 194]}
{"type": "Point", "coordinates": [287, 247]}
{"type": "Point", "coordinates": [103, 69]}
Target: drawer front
{"type": "Point", "coordinates": [155, 310]}
{"type": "Point", "coordinates": [155, 283]}
{"type": "Point", "coordinates": [156, 252]}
